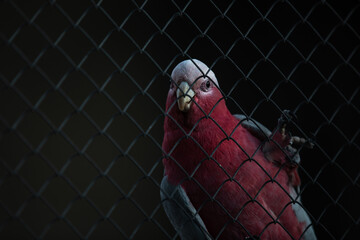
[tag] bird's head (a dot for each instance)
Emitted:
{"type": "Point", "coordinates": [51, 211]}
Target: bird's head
{"type": "Point", "coordinates": [194, 93]}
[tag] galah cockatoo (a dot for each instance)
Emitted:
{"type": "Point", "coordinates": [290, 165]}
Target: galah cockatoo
{"type": "Point", "coordinates": [227, 176]}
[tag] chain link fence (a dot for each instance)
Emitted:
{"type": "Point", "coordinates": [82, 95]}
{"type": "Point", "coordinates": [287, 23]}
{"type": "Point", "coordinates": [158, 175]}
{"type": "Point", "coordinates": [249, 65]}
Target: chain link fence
{"type": "Point", "coordinates": [82, 96]}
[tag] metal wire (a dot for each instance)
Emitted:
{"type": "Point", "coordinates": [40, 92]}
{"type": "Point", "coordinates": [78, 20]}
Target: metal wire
{"type": "Point", "coordinates": [82, 95]}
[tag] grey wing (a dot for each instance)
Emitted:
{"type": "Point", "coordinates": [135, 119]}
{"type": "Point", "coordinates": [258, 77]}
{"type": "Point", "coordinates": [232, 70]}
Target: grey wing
{"type": "Point", "coordinates": [254, 127]}
{"type": "Point", "coordinates": [181, 212]}
{"type": "Point", "coordinates": [302, 216]}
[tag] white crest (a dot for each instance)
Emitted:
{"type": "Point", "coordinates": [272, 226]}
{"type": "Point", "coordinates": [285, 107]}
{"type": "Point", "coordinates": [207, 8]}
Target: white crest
{"type": "Point", "coordinates": [193, 69]}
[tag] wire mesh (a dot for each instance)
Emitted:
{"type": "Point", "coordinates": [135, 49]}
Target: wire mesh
{"type": "Point", "coordinates": [82, 103]}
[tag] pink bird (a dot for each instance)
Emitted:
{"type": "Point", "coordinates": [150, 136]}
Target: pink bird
{"type": "Point", "coordinates": [227, 176]}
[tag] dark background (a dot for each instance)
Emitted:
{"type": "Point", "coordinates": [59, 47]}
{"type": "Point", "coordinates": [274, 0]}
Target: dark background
{"type": "Point", "coordinates": [82, 94]}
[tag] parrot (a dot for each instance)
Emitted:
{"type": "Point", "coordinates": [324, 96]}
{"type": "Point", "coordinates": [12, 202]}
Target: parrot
{"type": "Point", "coordinates": [227, 176]}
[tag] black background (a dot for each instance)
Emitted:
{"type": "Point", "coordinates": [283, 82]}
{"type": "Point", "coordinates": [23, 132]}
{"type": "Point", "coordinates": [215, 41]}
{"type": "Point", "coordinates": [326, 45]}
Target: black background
{"type": "Point", "coordinates": [83, 88]}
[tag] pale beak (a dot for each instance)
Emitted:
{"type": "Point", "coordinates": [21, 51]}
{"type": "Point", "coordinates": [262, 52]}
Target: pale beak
{"type": "Point", "coordinates": [184, 95]}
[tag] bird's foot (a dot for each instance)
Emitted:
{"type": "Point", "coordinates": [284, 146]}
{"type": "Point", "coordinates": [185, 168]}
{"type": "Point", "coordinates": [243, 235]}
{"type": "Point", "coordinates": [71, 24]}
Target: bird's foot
{"type": "Point", "coordinates": [284, 121]}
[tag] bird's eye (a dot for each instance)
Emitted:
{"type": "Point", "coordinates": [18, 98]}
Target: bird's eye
{"type": "Point", "coordinates": [205, 86]}
{"type": "Point", "coordinates": [208, 83]}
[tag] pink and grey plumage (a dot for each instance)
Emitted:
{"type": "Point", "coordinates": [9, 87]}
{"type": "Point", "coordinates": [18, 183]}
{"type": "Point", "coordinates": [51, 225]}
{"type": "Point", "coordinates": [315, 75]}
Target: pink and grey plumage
{"type": "Point", "coordinates": [226, 176]}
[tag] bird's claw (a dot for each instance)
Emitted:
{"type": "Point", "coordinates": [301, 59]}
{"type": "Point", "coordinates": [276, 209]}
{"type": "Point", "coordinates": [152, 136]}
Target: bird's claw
{"type": "Point", "coordinates": [285, 119]}
{"type": "Point", "coordinates": [297, 141]}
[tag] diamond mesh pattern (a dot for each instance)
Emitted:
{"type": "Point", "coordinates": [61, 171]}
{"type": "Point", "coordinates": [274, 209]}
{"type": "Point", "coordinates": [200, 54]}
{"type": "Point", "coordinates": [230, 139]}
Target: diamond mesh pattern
{"type": "Point", "coordinates": [82, 93]}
